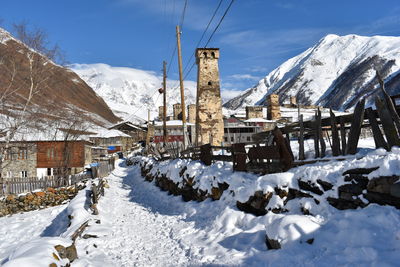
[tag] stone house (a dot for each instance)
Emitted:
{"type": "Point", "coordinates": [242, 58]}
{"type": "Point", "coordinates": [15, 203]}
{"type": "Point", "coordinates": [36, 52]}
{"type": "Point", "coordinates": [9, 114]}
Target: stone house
{"type": "Point", "coordinates": [45, 158]}
{"type": "Point", "coordinates": [113, 140]}
{"type": "Point", "coordinates": [20, 160]}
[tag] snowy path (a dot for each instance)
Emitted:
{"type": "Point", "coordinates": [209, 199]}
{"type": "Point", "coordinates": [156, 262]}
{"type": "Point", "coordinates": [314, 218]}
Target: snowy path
{"type": "Point", "coordinates": [144, 228]}
{"type": "Point", "coordinates": [21, 228]}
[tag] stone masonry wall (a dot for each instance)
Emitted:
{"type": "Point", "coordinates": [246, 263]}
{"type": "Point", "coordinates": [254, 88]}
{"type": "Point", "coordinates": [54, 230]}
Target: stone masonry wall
{"type": "Point", "coordinates": [209, 120]}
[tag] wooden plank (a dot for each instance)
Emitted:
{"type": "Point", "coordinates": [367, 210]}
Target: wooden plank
{"type": "Point", "coordinates": [239, 157]}
{"type": "Point", "coordinates": [316, 135]}
{"type": "Point", "coordinates": [222, 158]}
{"type": "Point", "coordinates": [301, 138]}
{"type": "Point", "coordinates": [205, 154]}
{"type": "Point", "coordinates": [285, 157]}
{"type": "Point", "coordinates": [321, 137]}
{"type": "Point", "coordinates": [343, 135]}
{"type": "Point", "coordinates": [376, 131]}
{"type": "Point", "coordinates": [388, 126]}
{"type": "Point", "coordinates": [335, 135]}
{"type": "Point", "coordinates": [389, 103]}
{"type": "Point", "coordinates": [355, 130]}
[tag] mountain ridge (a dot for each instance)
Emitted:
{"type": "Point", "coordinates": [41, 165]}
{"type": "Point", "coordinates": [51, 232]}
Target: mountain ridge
{"type": "Point", "coordinates": [336, 72]}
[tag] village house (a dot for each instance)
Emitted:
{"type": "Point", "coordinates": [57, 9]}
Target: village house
{"type": "Point", "coordinates": [45, 158]}
{"type": "Point", "coordinates": [138, 133]}
{"type": "Point", "coordinates": [113, 140]}
{"type": "Point", "coordinates": [174, 131]}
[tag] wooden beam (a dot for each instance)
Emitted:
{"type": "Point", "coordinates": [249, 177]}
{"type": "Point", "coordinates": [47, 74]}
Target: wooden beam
{"type": "Point", "coordinates": [391, 134]}
{"type": "Point", "coordinates": [301, 138]}
{"type": "Point", "coordinates": [355, 130]}
{"type": "Point", "coordinates": [335, 135]}
{"type": "Point", "coordinates": [376, 131]}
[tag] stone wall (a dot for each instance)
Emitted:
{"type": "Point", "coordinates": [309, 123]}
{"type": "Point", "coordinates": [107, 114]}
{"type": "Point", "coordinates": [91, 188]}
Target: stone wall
{"type": "Point", "coordinates": [273, 108]}
{"type": "Point", "coordinates": [192, 113]}
{"type": "Point", "coordinates": [254, 112]}
{"type": "Point", "coordinates": [38, 200]}
{"type": "Point", "coordinates": [177, 108]}
{"type": "Point", "coordinates": [18, 161]}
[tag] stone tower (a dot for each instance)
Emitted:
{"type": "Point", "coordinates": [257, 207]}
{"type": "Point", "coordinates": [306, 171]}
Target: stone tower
{"type": "Point", "coordinates": [273, 108]}
{"type": "Point", "coordinates": [177, 111]}
{"type": "Point", "coordinates": [209, 121]}
{"type": "Point", "coordinates": [253, 112]}
{"type": "Point", "coordinates": [192, 113]}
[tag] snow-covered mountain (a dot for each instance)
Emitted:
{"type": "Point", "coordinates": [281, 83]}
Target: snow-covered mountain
{"type": "Point", "coordinates": [336, 72]}
{"type": "Point", "coordinates": [131, 92]}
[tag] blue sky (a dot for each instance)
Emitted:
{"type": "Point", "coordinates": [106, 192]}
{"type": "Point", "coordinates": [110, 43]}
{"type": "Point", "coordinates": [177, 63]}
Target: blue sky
{"type": "Point", "coordinates": [256, 36]}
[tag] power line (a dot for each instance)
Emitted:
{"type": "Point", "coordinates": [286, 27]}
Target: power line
{"type": "Point", "coordinates": [219, 23]}
{"type": "Point", "coordinates": [204, 33]}
{"type": "Point", "coordinates": [181, 26]}
{"type": "Point", "coordinates": [212, 34]}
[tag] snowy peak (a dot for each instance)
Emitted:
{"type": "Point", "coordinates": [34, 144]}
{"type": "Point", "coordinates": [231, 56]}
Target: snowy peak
{"type": "Point", "coordinates": [335, 73]}
{"type": "Point", "coordinates": [131, 92]}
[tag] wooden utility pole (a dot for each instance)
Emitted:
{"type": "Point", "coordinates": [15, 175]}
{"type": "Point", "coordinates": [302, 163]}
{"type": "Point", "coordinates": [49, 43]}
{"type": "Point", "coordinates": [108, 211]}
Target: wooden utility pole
{"type": "Point", "coordinates": [148, 130]}
{"type": "Point", "coordinates": [184, 128]}
{"type": "Point", "coordinates": [165, 102]}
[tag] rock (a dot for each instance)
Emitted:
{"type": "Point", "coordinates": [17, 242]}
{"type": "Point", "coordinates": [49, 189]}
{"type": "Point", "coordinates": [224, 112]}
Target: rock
{"type": "Point", "coordinates": [325, 185]}
{"type": "Point", "coordinates": [87, 236]}
{"type": "Point", "coordinates": [62, 251]}
{"type": "Point", "coordinates": [382, 184]}
{"type": "Point", "coordinates": [395, 190]}
{"type": "Point", "coordinates": [40, 194]}
{"type": "Point", "coordinates": [344, 204]}
{"type": "Point", "coordinates": [308, 186]}
{"type": "Point", "coordinates": [310, 241]}
{"type": "Point", "coordinates": [271, 243]}
{"type": "Point", "coordinates": [382, 199]}
{"type": "Point", "coordinates": [360, 171]}
{"type": "Point", "coordinates": [72, 254]}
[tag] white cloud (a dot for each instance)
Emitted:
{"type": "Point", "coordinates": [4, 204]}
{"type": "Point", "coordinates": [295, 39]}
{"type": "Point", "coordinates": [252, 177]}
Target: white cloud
{"type": "Point", "coordinates": [244, 77]}
{"type": "Point", "coordinates": [227, 94]}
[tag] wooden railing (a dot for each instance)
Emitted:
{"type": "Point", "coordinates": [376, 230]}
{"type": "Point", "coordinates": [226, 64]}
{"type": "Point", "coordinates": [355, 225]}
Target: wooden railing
{"type": "Point", "coordinates": [29, 184]}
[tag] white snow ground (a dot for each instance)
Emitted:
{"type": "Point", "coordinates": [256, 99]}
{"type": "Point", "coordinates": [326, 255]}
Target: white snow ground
{"type": "Point", "coordinates": [25, 227]}
{"type": "Point", "coordinates": [144, 226]}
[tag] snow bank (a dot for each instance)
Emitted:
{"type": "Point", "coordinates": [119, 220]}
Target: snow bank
{"type": "Point", "coordinates": [307, 225]}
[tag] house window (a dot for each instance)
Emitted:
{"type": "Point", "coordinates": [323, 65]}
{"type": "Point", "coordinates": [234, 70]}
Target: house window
{"type": "Point", "coordinates": [9, 174]}
{"type": "Point", "coordinates": [231, 139]}
{"type": "Point", "coordinates": [23, 153]}
{"type": "Point", "coordinates": [48, 171]}
{"type": "Point", "coordinates": [248, 138]}
{"type": "Point", "coordinates": [226, 139]}
{"type": "Point", "coordinates": [24, 174]}
{"type": "Point", "coordinates": [50, 153]}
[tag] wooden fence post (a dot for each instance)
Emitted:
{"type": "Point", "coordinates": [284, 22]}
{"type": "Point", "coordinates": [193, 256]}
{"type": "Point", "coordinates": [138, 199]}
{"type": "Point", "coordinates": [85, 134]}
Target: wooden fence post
{"type": "Point", "coordinates": [239, 157]}
{"type": "Point", "coordinates": [355, 130]}
{"type": "Point", "coordinates": [205, 154]}
{"type": "Point", "coordinates": [392, 136]}
{"type": "Point", "coordinates": [321, 137]}
{"type": "Point", "coordinates": [301, 138]}
{"type": "Point", "coordinates": [343, 135]}
{"type": "Point", "coordinates": [316, 135]}
{"type": "Point", "coordinates": [335, 135]}
{"type": "Point", "coordinates": [376, 131]}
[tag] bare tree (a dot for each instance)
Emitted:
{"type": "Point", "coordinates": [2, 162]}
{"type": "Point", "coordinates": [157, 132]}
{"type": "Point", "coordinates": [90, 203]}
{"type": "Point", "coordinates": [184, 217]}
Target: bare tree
{"type": "Point", "coordinates": [24, 73]}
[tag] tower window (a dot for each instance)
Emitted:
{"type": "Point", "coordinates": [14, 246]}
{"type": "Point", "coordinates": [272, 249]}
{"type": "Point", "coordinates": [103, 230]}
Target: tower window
{"type": "Point", "coordinates": [205, 54]}
{"type": "Point", "coordinates": [209, 83]}
{"type": "Point", "coordinates": [212, 54]}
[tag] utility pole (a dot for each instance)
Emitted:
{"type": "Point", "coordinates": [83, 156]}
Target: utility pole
{"type": "Point", "coordinates": [165, 102]}
{"type": "Point", "coordinates": [148, 131]}
{"type": "Point", "coordinates": [184, 128]}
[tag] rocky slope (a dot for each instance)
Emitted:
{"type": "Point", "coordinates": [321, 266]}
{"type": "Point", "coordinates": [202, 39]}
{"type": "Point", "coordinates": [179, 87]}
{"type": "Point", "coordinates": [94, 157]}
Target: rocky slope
{"type": "Point", "coordinates": [25, 74]}
{"type": "Point", "coordinates": [131, 92]}
{"type": "Point", "coordinates": [336, 72]}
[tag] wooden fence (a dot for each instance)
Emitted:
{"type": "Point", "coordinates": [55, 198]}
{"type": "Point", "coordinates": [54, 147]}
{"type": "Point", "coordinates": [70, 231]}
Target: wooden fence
{"type": "Point", "coordinates": [22, 185]}
{"type": "Point", "coordinates": [271, 151]}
